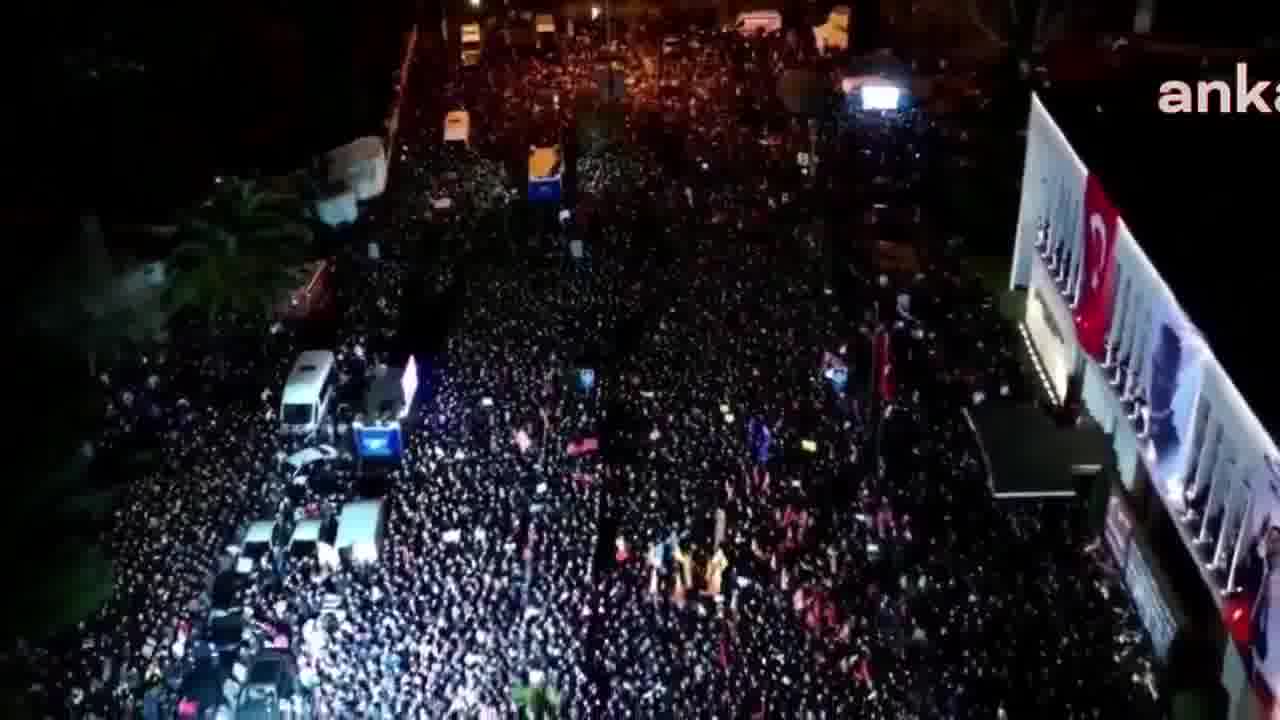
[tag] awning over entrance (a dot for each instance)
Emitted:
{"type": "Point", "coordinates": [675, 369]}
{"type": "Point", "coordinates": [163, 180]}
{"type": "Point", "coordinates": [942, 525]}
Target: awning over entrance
{"type": "Point", "coordinates": [1028, 455]}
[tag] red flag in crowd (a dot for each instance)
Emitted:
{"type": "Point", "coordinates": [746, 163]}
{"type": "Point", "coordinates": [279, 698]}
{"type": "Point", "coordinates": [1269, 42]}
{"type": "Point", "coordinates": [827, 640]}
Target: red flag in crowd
{"type": "Point", "coordinates": [862, 672]}
{"type": "Point", "coordinates": [586, 446]}
{"type": "Point", "coordinates": [885, 383]}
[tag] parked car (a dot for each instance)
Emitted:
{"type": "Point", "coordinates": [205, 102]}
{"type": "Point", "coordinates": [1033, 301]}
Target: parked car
{"type": "Point", "coordinates": [272, 690]}
{"type": "Point", "coordinates": [296, 464]}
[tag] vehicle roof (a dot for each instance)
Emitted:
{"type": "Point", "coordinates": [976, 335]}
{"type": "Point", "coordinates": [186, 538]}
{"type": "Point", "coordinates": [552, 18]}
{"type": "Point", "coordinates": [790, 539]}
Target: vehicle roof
{"type": "Point", "coordinates": [543, 161]}
{"type": "Point", "coordinates": [359, 150]}
{"type": "Point", "coordinates": [359, 522]}
{"type": "Point", "coordinates": [267, 667]}
{"type": "Point", "coordinates": [307, 377]}
{"type": "Point", "coordinates": [306, 531]}
{"type": "Point", "coordinates": [260, 531]}
{"type": "Point", "coordinates": [306, 456]}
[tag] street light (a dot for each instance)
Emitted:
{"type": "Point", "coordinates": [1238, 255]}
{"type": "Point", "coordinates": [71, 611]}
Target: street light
{"type": "Point", "coordinates": [595, 12]}
{"type": "Point", "coordinates": [474, 3]}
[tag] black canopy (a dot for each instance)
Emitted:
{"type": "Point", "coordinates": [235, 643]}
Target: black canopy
{"type": "Point", "coordinates": [1028, 455]}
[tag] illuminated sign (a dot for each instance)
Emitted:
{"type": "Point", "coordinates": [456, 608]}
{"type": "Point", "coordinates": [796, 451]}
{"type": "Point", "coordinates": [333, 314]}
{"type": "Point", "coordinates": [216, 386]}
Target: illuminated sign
{"type": "Point", "coordinates": [409, 384]}
{"type": "Point", "coordinates": [378, 441]}
{"type": "Point", "coordinates": [1119, 528]}
{"type": "Point", "coordinates": [880, 97]}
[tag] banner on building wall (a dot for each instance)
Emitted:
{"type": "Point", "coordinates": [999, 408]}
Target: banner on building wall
{"type": "Point", "coordinates": [1050, 346]}
{"type": "Point", "coordinates": [1160, 620]}
{"type": "Point", "coordinates": [1258, 572]}
{"type": "Point", "coordinates": [1096, 394]}
{"type": "Point", "coordinates": [1064, 222]}
{"type": "Point", "coordinates": [1173, 386]}
{"type": "Point", "coordinates": [1097, 286]}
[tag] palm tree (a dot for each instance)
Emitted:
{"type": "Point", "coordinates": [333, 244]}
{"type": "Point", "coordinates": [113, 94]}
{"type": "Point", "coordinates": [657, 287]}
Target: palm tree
{"type": "Point", "coordinates": [51, 522]}
{"type": "Point", "coordinates": [241, 251]}
{"type": "Point", "coordinates": [535, 700]}
{"type": "Point", "coordinates": [81, 299]}
{"type": "Point", "coordinates": [1023, 26]}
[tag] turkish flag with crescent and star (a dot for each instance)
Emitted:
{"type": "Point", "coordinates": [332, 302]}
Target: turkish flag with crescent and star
{"type": "Point", "coordinates": [1097, 287]}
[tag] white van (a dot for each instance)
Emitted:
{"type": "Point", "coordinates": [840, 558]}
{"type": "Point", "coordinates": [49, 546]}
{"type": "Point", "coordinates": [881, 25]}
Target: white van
{"type": "Point", "coordinates": [360, 528]}
{"type": "Point", "coordinates": [308, 392]}
{"type": "Point", "coordinates": [314, 537]}
{"type": "Point", "coordinates": [754, 21]}
{"type": "Point", "coordinates": [457, 127]}
{"type": "Point", "coordinates": [471, 44]}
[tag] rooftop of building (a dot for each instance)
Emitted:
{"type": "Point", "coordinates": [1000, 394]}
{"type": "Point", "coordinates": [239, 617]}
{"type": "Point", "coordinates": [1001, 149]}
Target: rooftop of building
{"type": "Point", "coordinates": [1199, 194]}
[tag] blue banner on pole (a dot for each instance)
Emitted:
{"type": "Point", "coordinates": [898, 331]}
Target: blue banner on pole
{"type": "Point", "coordinates": [761, 441]}
{"type": "Point", "coordinates": [378, 442]}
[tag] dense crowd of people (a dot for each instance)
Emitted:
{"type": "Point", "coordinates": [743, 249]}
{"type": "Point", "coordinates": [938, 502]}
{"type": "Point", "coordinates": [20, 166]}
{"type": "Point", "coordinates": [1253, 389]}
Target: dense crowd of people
{"type": "Point", "coordinates": [707, 474]}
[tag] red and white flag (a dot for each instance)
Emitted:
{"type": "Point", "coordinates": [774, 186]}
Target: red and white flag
{"type": "Point", "coordinates": [1098, 286]}
{"type": "Point", "coordinates": [585, 446]}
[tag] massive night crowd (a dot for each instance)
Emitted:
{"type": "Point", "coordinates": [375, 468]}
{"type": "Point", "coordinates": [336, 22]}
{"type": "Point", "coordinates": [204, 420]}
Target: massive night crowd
{"type": "Point", "coordinates": [632, 481]}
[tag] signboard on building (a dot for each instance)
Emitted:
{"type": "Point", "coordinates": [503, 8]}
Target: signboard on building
{"type": "Point", "coordinates": [1159, 620]}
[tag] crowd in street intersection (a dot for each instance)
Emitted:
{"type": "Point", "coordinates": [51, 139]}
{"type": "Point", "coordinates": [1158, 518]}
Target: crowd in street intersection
{"type": "Point", "coordinates": [632, 481]}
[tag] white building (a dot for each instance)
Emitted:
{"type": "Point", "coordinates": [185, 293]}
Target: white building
{"type": "Point", "coordinates": [350, 175]}
{"type": "Point", "coordinates": [1146, 304]}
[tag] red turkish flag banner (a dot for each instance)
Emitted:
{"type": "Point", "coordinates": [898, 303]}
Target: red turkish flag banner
{"type": "Point", "coordinates": [1098, 284]}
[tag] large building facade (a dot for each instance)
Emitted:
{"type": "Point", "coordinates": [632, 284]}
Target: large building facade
{"type": "Point", "coordinates": [1108, 335]}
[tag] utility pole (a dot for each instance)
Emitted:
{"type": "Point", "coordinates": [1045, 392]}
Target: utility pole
{"type": "Point", "coordinates": [608, 23]}
{"type": "Point", "coordinates": [1144, 17]}
{"type": "Point", "coordinates": [444, 23]}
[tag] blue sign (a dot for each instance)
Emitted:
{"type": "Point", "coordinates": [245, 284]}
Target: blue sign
{"type": "Point", "coordinates": [839, 378]}
{"type": "Point", "coordinates": [544, 191]}
{"type": "Point", "coordinates": [586, 379]}
{"type": "Point", "coordinates": [761, 440]}
{"type": "Point", "coordinates": [381, 441]}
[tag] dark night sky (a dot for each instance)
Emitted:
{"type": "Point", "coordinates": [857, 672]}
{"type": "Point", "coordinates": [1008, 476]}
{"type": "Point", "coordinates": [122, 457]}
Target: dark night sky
{"type": "Point", "coordinates": [244, 87]}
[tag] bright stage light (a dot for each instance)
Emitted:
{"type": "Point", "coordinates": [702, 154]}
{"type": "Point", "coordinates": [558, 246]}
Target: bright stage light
{"type": "Point", "coordinates": [880, 97]}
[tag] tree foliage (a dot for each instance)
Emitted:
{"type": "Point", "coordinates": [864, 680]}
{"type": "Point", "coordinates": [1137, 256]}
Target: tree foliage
{"type": "Point", "coordinates": [536, 702]}
{"type": "Point", "coordinates": [78, 296]}
{"type": "Point", "coordinates": [241, 251]}
{"type": "Point", "coordinates": [54, 514]}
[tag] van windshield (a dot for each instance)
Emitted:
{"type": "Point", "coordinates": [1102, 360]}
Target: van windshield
{"type": "Point", "coordinates": [255, 550]}
{"type": "Point", "coordinates": [296, 415]}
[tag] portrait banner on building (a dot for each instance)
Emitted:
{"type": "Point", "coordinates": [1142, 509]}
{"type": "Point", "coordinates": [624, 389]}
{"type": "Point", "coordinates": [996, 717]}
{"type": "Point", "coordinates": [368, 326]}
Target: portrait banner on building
{"type": "Point", "coordinates": [1257, 571]}
{"type": "Point", "coordinates": [1173, 386]}
{"type": "Point", "coordinates": [1097, 286]}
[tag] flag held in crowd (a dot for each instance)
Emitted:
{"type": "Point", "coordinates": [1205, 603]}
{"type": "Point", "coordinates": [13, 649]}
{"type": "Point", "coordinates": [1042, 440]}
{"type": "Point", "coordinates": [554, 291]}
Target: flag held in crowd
{"type": "Point", "coordinates": [885, 381]}
{"type": "Point", "coordinates": [761, 440]}
{"type": "Point", "coordinates": [585, 446]}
